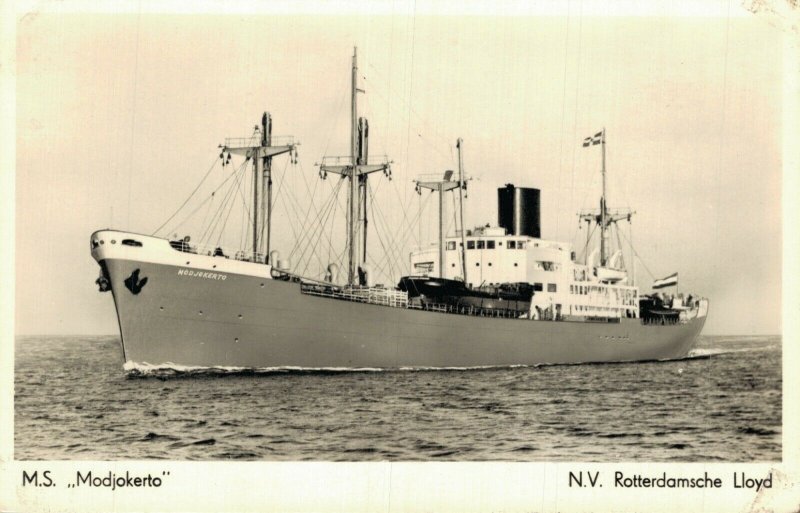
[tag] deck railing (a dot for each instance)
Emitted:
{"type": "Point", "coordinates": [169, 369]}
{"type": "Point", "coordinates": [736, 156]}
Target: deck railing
{"type": "Point", "coordinates": [255, 140]}
{"type": "Point", "coordinates": [500, 313]}
{"type": "Point", "coordinates": [371, 295]}
{"type": "Point", "coordinates": [218, 251]}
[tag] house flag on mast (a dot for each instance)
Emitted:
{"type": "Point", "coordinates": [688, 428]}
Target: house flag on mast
{"type": "Point", "coordinates": [596, 139]}
{"type": "Point", "coordinates": [669, 281]}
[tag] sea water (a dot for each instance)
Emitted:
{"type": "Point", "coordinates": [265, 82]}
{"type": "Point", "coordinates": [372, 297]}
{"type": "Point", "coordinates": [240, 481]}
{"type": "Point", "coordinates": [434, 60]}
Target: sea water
{"type": "Point", "coordinates": [74, 401]}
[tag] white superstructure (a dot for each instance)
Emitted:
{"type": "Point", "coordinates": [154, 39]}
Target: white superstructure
{"type": "Point", "coordinates": [567, 287]}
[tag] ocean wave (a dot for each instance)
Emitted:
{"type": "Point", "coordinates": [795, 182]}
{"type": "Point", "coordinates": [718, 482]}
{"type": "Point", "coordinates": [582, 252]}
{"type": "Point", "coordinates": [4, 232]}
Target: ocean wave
{"type": "Point", "coordinates": [168, 368]}
{"type": "Point", "coordinates": [144, 369]}
{"type": "Point", "coordinates": [742, 338]}
{"type": "Point", "coordinates": [706, 352]}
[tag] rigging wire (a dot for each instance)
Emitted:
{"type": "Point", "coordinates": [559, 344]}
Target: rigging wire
{"type": "Point", "coordinates": [619, 245]}
{"type": "Point", "coordinates": [395, 247]}
{"type": "Point", "coordinates": [309, 236]}
{"type": "Point", "coordinates": [327, 207]}
{"type": "Point", "coordinates": [245, 225]}
{"type": "Point", "coordinates": [411, 110]}
{"type": "Point", "coordinates": [294, 203]}
{"type": "Point", "coordinates": [331, 208]}
{"type": "Point", "coordinates": [245, 209]}
{"type": "Point", "coordinates": [563, 117]}
{"type": "Point", "coordinates": [192, 213]}
{"type": "Point", "coordinates": [304, 226]}
{"type": "Point", "coordinates": [213, 164]}
{"type": "Point", "coordinates": [230, 209]}
{"type": "Point", "coordinates": [636, 253]}
{"type": "Point", "coordinates": [226, 205]}
{"type": "Point", "coordinates": [279, 197]}
{"type": "Point", "coordinates": [215, 219]}
{"type": "Point", "coordinates": [319, 228]}
{"type": "Point", "coordinates": [379, 235]}
{"type": "Point", "coordinates": [208, 210]}
{"type": "Point", "coordinates": [585, 252]}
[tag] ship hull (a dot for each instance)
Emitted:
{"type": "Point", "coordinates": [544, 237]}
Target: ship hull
{"type": "Point", "coordinates": [174, 315]}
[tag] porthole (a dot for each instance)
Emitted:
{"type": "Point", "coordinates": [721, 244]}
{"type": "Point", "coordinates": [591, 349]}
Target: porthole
{"type": "Point", "coordinates": [113, 241]}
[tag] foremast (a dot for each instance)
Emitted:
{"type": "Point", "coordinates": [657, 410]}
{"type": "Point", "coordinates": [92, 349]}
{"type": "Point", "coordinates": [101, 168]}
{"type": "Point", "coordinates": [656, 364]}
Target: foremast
{"type": "Point", "coordinates": [356, 168]}
{"type": "Point", "coordinates": [261, 148]}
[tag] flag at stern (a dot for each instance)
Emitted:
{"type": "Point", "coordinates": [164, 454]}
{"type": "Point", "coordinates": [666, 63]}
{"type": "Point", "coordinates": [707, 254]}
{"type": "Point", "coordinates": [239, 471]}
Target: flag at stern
{"type": "Point", "coordinates": [669, 281]}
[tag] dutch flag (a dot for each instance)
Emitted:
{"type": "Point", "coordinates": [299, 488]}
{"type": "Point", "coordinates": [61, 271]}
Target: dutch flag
{"type": "Point", "coordinates": [669, 281]}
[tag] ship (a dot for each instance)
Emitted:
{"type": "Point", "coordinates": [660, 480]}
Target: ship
{"type": "Point", "coordinates": [491, 296]}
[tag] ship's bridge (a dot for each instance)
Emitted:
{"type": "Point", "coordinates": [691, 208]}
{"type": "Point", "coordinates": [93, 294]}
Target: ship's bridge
{"type": "Point", "coordinates": [494, 257]}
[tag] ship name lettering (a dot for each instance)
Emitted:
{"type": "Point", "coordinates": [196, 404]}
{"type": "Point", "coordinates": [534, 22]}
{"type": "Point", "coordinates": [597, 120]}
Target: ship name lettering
{"type": "Point", "coordinates": [202, 274]}
{"type": "Point", "coordinates": [114, 481]}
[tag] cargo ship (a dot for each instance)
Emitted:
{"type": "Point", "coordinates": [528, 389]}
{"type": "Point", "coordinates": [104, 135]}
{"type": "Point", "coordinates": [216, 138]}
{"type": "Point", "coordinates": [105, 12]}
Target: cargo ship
{"type": "Point", "coordinates": [491, 296]}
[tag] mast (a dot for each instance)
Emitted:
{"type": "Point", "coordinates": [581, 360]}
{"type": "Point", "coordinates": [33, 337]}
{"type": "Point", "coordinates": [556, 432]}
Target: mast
{"type": "Point", "coordinates": [441, 186]}
{"type": "Point", "coordinates": [356, 168]}
{"type": "Point", "coordinates": [261, 151]}
{"type": "Point", "coordinates": [266, 141]}
{"type": "Point", "coordinates": [461, 186]}
{"type": "Point", "coordinates": [257, 185]}
{"type": "Point", "coordinates": [363, 150]}
{"type": "Point", "coordinates": [603, 203]}
{"type": "Point", "coordinates": [353, 196]}
{"type": "Point", "coordinates": [604, 217]}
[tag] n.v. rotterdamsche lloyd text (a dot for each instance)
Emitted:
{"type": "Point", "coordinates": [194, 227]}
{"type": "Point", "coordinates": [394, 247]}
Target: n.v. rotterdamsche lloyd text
{"type": "Point", "coordinates": [584, 479]}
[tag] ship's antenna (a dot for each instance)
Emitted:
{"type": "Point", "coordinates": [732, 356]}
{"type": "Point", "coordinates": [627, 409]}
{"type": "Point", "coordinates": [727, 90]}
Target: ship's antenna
{"type": "Point", "coordinates": [461, 186]}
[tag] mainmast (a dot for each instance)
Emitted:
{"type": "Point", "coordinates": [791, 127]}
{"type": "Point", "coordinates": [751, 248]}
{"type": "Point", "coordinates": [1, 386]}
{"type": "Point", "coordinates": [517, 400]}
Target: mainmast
{"type": "Point", "coordinates": [355, 167]}
{"type": "Point", "coordinates": [353, 202]}
{"type": "Point", "coordinates": [603, 204]}
{"type": "Point", "coordinates": [260, 149]}
{"type": "Point", "coordinates": [605, 217]}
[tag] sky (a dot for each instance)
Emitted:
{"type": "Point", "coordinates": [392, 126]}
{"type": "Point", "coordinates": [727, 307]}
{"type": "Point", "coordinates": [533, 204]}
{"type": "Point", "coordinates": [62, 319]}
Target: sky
{"type": "Point", "coordinates": [119, 116]}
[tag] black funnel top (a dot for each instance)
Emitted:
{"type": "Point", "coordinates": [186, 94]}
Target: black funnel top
{"type": "Point", "coordinates": [518, 210]}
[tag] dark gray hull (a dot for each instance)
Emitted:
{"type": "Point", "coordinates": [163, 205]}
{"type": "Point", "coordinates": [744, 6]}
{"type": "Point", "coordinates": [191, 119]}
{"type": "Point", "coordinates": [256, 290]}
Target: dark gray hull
{"type": "Point", "coordinates": [251, 322]}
